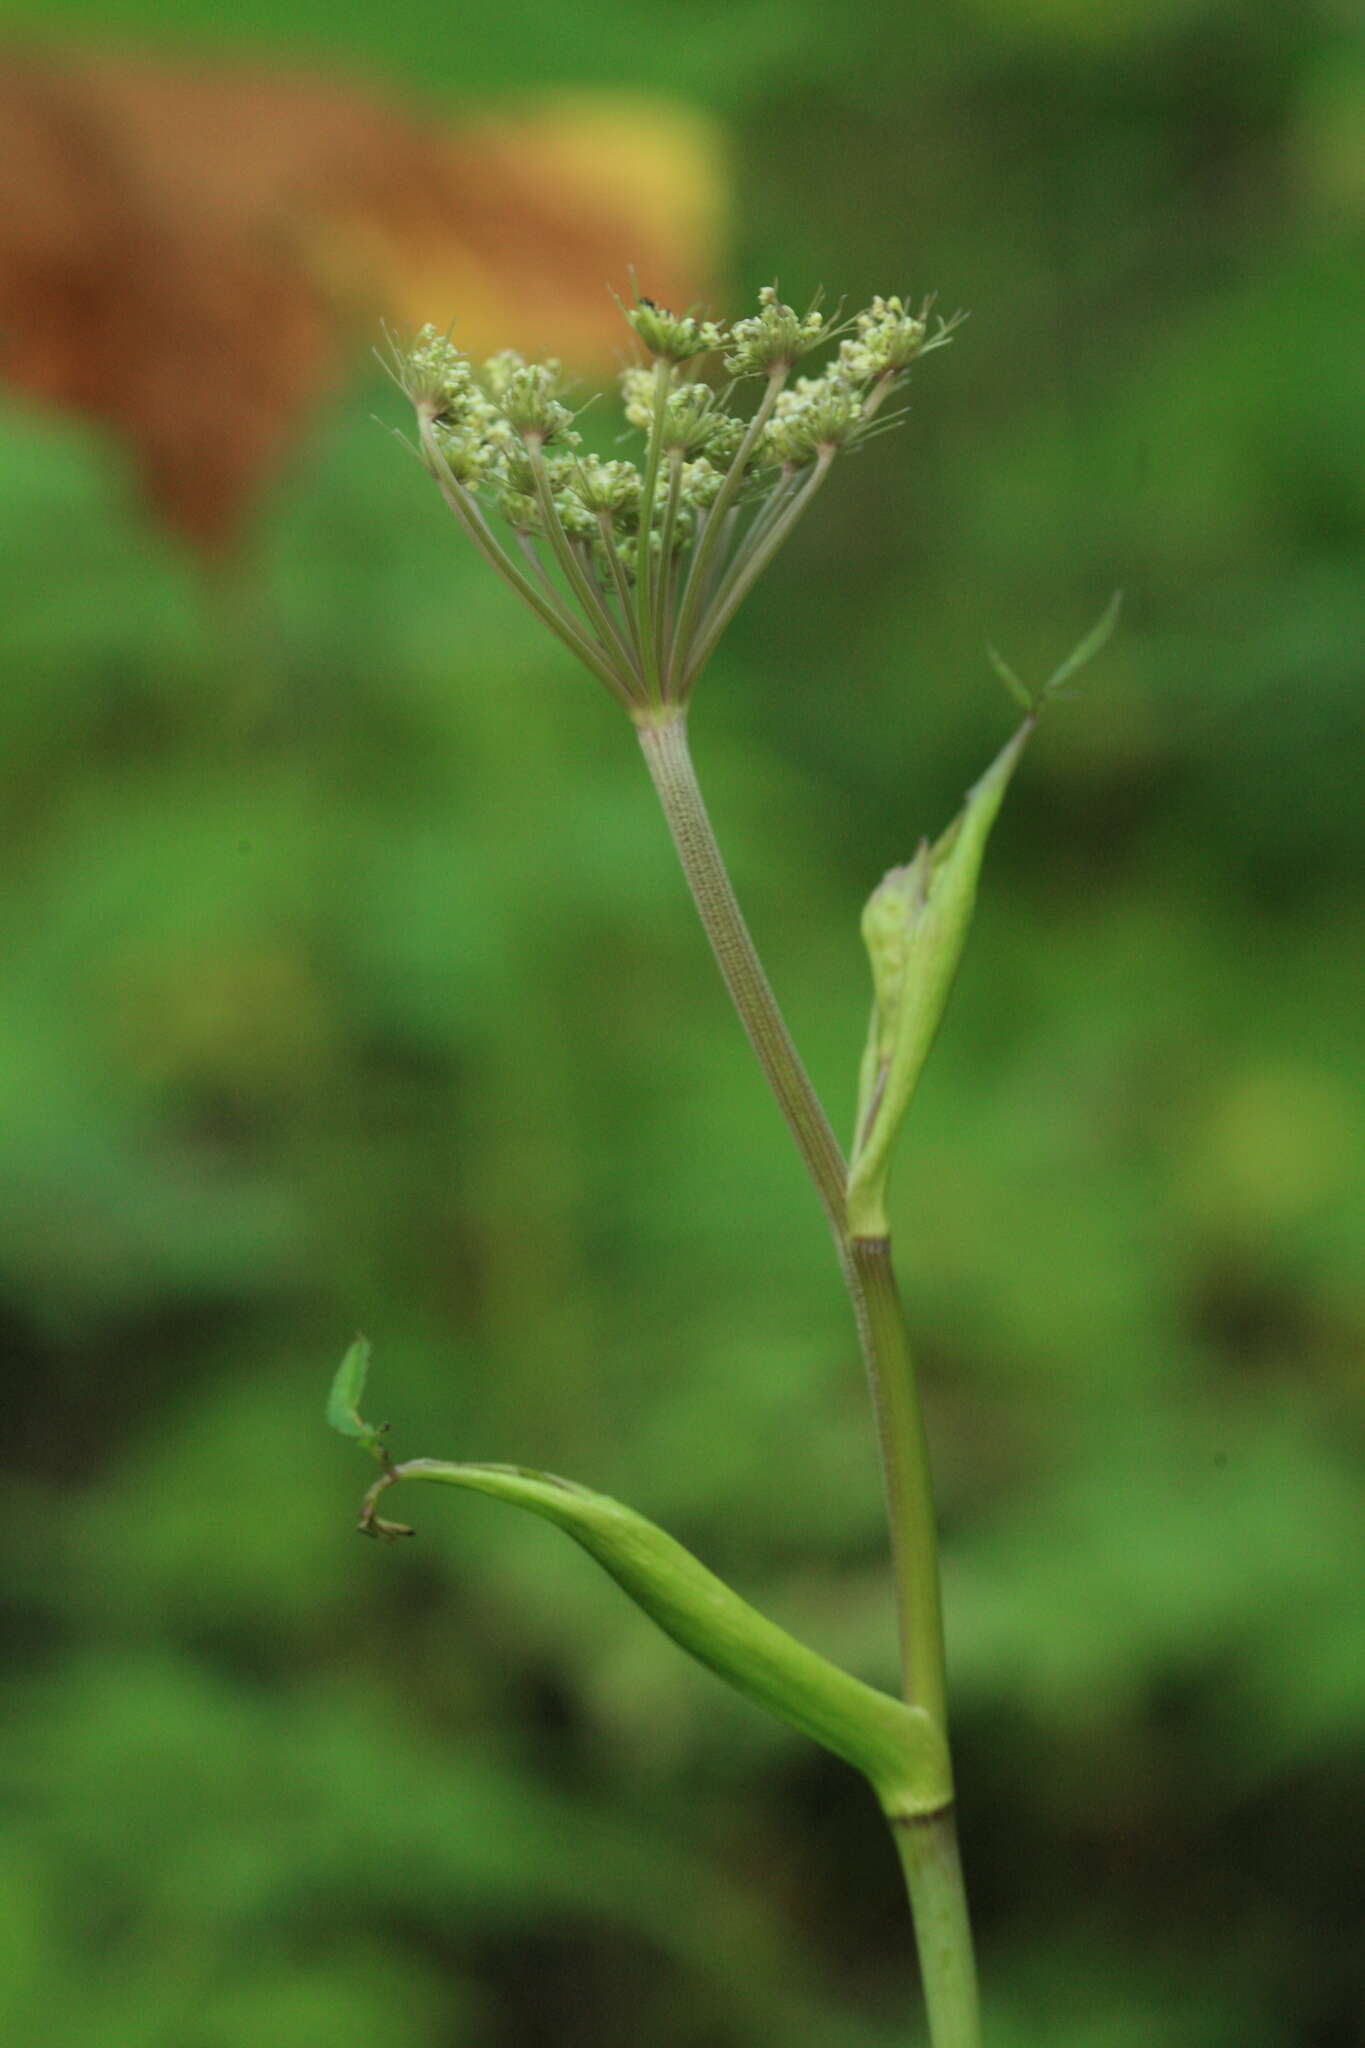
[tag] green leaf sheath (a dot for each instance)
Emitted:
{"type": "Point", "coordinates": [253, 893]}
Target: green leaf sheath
{"type": "Point", "coordinates": [896, 1747]}
{"type": "Point", "coordinates": [915, 926]}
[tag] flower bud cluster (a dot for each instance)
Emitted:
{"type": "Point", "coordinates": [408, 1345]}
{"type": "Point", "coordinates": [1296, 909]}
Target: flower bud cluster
{"type": "Point", "coordinates": [775, 337]}
{"type": "Point", "coordinates": [673, 337]}
{"type": "Point", "coordinates": [701, 482]}
{"type": "Point", "coordinates": [638, 565]}
{"type": "Point", "coordinates": [693, 421]}
{"type": "Point", "coordinates": [524, 394]}
{"type": "Point", "coordinates": [447, 398]}
{"type": "Point", "coordinates": [465, 450]}
{"type": "Point", "coordinates": [814, 418]}
{"type": "Point", "coordinates": [886, 339]}
{"type": "Point", "coordinates": [610, 487]}
{"type": "Point", "coordinates": [435, 375]}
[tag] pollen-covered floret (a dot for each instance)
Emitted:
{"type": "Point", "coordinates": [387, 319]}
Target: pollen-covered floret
{"type": "Point", "coordinates": [674, 337]}
{"type": "Point", "coordinates": [775, 337]}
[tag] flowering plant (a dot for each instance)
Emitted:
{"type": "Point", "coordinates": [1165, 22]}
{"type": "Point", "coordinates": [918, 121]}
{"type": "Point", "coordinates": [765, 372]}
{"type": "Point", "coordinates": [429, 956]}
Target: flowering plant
{"type": "Point", "coordinates": [637, 567]}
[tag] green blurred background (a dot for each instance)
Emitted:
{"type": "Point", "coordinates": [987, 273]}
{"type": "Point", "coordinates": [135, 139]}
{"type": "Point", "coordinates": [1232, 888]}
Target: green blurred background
{"type": "Point", "coordinates": [347, 983]}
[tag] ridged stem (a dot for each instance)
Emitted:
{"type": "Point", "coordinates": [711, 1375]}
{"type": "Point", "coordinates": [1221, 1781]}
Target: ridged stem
{"type": "Point", "coordinates": [719, 527]}
{"type": "Point", "coordinates": [547, 608]}
{"type": "Point", "coordinates": [905, 1464]}
{"type": "Point", "coordinates": [748, 566]}
{"type": "Point", "coordinates": [669, 759]}
{"type": "Point", "coordinates": [943, 1935]}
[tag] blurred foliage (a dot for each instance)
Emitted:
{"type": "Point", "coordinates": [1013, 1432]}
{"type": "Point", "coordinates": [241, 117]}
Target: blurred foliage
{"type": "Point", "coordinates": [347, 983]}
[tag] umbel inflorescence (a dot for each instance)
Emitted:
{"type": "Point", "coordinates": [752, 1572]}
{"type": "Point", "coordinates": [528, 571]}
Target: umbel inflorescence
{"type": "Point", "coordinates": [638, 564]}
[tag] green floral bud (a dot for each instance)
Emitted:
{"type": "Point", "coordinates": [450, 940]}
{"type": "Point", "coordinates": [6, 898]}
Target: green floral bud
{"type": "Point", "coordinates": [499, 370]}
{"type": "Point", "coordinates": [530, 407]}
{"type": "Point", "coordinates": [674, 337]}
{"type": "Point", "coordinates": [464, 451]}
{"type": "Point", "coordinates": [606, 559]}
{"type": "Point", "coordinates": [692, 420]}
{"type": "Point", "coordinates": [775, 337]}
{"type": "Point", "coordinates": [818, 415]}
{"type": "Point", "coordinates": [514, 470]}
{"type": "Point", "coordinates": [701, 483]}
{"type": "Point", "coordinates": [887, 339]}
{"type": "Point", "coordinates": [684, 525]}
{"type": "Point", "coordinates": [915, 927]}
{"type": "Point", "coordinates": [520, 510]}
{"type": "Point", "coordinates": [723, 446]}
{"type": "Point", "coordinates": [574, 516]}
{"type": "Point", "coordinates": [434, 374]}
{"type": "Point", "coordinates": [611, 487]}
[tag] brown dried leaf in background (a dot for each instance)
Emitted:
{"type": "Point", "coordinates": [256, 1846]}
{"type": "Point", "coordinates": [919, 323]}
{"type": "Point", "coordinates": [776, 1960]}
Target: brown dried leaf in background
{"type": "Point", "coordinates": [187, 251]}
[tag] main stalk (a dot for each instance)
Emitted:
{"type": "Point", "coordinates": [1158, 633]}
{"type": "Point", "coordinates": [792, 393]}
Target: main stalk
{"type": "Point", "coordinates": [927, 1844]}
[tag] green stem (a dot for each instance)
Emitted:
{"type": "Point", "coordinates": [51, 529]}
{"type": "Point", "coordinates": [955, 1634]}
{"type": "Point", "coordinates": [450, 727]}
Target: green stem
{"type": "Point", "coordinates": [697, 586]}
{"type": "Point", "coordinates": [644, 566]}
{"type": "Point", "coordinates": [943, 1934]}
{"type": "Point", "coordinates": [928, 1848]}
{"type": "Point", "coordinates": [546, 608]}
{"type": "Point", "coordinates": [609, 634]}
{"type": "Point", "coordinates": [623, 591]}
{"type": "Point", "coordinates": [771, 510]}
{"type": "Point", "coordinates": [666, 753]}
{"type": "Point", "coordinates": [905, 1464]}
{"type": "Point", "coordinates": [662, 621]}
{"type": "Point", "coordinates": [737, 583]}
